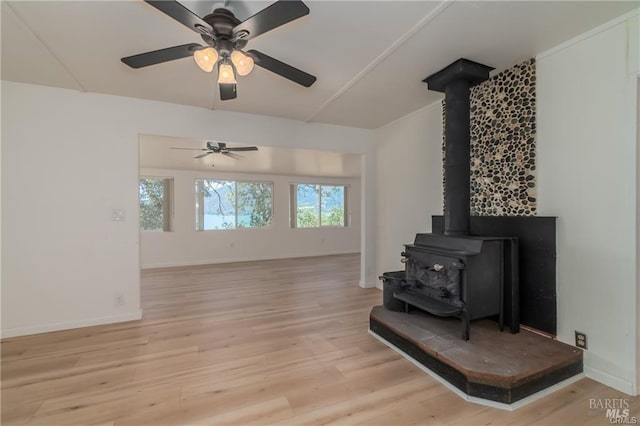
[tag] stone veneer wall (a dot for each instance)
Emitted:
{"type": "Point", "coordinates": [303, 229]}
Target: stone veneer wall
{"type": "Point", "coordinates": [503, 143]}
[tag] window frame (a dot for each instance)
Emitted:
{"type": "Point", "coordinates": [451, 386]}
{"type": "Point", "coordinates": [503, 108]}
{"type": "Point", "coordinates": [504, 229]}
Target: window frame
{"type": "Point", "coordinates": [168, 200]}
{"type": "Point", "coordinates": [293, 205]}
{"type": "Point", "coordinates": [199, 207]}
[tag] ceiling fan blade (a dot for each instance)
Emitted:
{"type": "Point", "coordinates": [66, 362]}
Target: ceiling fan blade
{"type": "Point", "coordinates": [279, 13]}
{"type": "Point", "coordinates": [159, 56]}
{"type": "Point", "coordinates": [192, 149]}
{"type": "Point", "coordinates": [232, 155]}
{"type": "Point", "coordinates": [243, 148]}
{"type": "Point", "coordinates": [182, 15]}
{"type": "Point", "coordinates": [203, 155]}
{"type": "Point", "coordinates": [227, 91]}
{"type": "Point", "coordinates": [282, 69]}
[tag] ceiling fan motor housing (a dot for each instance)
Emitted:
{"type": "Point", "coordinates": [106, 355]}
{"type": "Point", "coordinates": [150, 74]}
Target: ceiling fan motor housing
{"type": "Point", "coordinates": [223, 21]}
{"type": "Point", "coordinates": [221, 146]}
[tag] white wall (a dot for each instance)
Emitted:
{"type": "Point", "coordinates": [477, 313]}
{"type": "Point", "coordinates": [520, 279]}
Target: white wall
{"type": "Point", "coordinates": [638, 236]}
{"type": "Point", "coordinates": [587, 167]}
{"type": "Point", "coordinates": [408, 182]}
{"type": "Point", "coordinates": [634, 68]}
{"type": "Point", "coordinates": [186, 246]}
{"type": "Point", "coordinates": [368, 197]}
{"type": "Point", "coordinates": [68, 159]}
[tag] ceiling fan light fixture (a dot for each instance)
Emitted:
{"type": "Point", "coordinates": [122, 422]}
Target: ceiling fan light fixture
{"type": "Point", "coordinates": [243, 63]}
{"type": "Point", "coordinates": [206, 58]}
{"type": "Point", "coordinates": [225, 37]}
{"type": "Point", "coordinates": [225, 73]}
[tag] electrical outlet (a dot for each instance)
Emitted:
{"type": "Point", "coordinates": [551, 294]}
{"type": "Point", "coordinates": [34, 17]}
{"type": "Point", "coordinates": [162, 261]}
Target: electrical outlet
{"type": "Point", "coordinates": [581, 340]}
{"type": "Point", "coordinates": [118, 299]}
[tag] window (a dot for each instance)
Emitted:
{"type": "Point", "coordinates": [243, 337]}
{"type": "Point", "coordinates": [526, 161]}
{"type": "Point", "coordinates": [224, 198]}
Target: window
{"type": "Point", "coordinates": [226, 204]}
{"type": "Point", "coordinates": [155, 196]}
{"type": "Point", "coordinates": [314, 206]}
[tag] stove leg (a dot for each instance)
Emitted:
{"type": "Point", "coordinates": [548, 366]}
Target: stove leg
{"type": "Point", "coordinates": [465, 326]}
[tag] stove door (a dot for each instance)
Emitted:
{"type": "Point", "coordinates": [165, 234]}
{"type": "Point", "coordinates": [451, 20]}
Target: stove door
{"type": "Point", "coordinates": [435, 275]}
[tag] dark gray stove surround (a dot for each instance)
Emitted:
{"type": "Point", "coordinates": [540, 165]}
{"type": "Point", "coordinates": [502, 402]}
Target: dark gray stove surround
{"type": "Point", "coordinates": [530, 282]}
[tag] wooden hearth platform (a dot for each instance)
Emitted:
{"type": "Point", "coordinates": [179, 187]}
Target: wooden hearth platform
{"type": "Point", "coordinates": [495, 366]}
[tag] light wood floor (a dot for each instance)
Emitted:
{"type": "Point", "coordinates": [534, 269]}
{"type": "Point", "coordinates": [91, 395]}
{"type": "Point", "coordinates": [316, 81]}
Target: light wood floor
{"type": "Point", "coordinates": [273, 342]}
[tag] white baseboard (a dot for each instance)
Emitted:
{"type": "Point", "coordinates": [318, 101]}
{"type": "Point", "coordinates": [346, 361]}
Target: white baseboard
{"type": "Point", "coordinates": [488, 403]}
{"type": "Point", "coordinates": [614, 382]}
{"type": "Point", "coordinates": [241, 259]}
{"type": "Point", "coordinates": [67, 325]}
{"type": "Point", "coordinates": [366, 285]}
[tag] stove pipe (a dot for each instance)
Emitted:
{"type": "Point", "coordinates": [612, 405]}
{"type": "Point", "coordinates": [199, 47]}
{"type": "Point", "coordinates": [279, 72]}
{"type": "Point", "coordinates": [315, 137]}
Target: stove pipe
{"type": "Point", "coordinates": [454, 81]}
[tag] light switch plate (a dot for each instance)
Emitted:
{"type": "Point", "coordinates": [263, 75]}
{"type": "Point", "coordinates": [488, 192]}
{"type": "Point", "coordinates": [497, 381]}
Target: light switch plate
{"type": "Point", "coordinates": [118, 215]}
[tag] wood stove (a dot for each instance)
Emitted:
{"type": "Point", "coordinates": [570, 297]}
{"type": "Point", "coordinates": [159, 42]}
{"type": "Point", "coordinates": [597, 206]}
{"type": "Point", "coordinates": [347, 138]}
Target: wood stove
{"type": "Point", "coordinates": [457, 274]}
{"type": "Point", "coordinates": [454, 276]}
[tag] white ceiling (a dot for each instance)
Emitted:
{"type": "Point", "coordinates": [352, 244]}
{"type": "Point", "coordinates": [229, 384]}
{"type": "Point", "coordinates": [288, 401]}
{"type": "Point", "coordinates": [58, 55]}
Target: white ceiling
{"type": "Point", "coordinates": [156, 153]}
{"type": "Point", "coordinates": [369, 56]}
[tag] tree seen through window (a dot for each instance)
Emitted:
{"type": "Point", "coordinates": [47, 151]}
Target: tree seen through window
{"type": "Point", "coordinates": [230, 205]}
{"type": "Point", "coordinates": [319, 205]}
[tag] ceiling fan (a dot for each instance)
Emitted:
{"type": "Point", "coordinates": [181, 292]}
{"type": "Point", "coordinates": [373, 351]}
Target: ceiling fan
{"type": "Point", "coordinates": [221, 148]}
{"type": "Point", "coordinates": [226, 37]}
